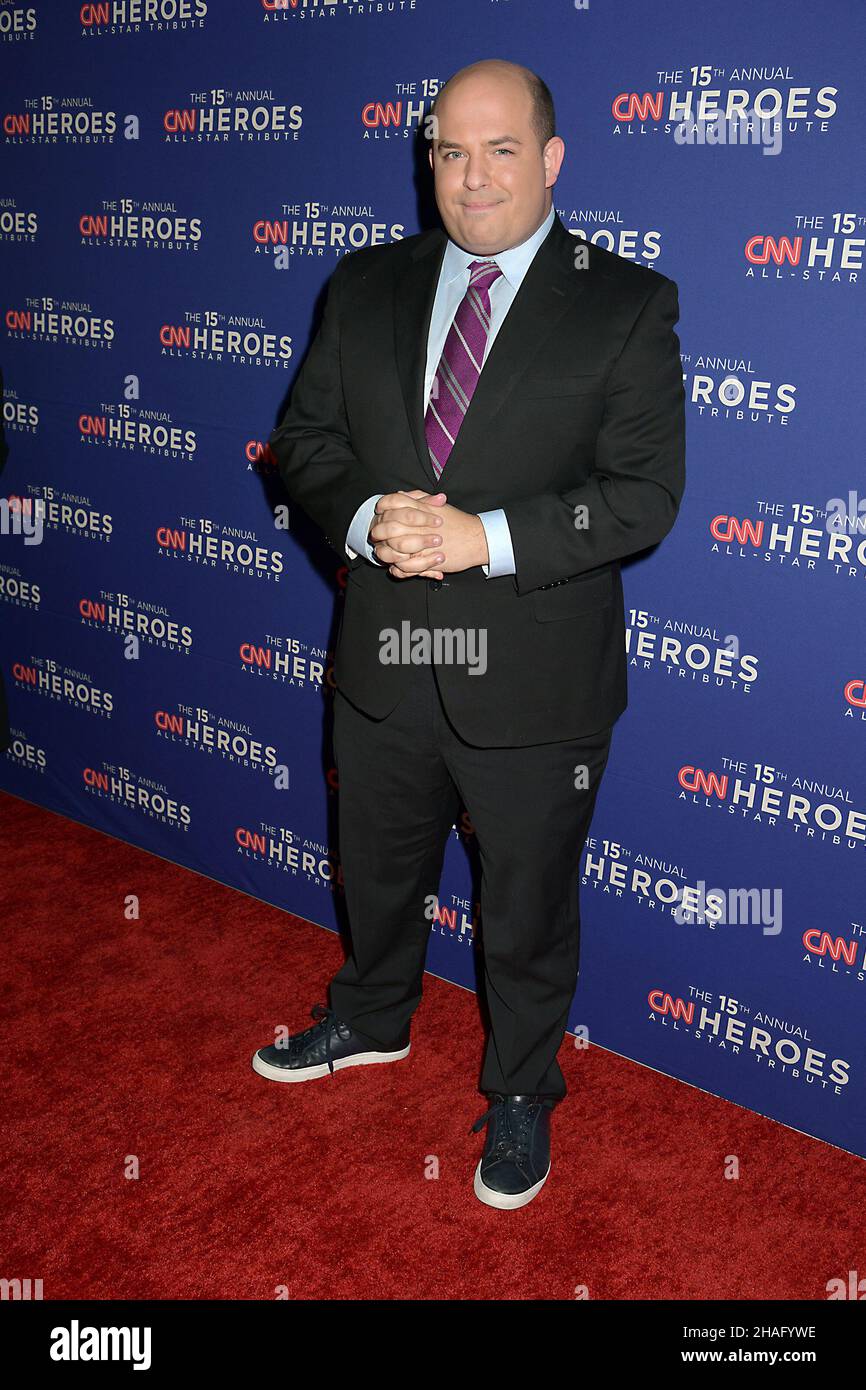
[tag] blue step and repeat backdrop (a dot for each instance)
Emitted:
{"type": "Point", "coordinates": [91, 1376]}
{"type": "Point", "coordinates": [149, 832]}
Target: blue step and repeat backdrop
{"type": "Point", "coordinates": [179, 179]}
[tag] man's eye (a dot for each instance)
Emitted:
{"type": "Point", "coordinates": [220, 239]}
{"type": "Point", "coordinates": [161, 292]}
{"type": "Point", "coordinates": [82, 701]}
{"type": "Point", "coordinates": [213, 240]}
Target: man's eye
{"type": "Point", "coordinates": [501, 150]}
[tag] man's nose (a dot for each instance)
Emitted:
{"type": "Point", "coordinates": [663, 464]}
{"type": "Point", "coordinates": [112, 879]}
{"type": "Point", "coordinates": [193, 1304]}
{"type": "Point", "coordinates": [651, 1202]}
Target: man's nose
{"type": "Point", "coordinates": [476, 173]}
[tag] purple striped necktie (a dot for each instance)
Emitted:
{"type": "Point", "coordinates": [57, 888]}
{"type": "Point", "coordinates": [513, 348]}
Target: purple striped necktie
{"type": "Point", "coordinates": [460, 364]}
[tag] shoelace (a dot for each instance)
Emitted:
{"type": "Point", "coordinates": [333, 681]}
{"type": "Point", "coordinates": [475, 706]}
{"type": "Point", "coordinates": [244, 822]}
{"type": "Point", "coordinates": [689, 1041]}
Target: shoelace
{"type": "Point", "coordinates": [327, 1026]}
{"type": "Point", "coordinates": [513, 1141]}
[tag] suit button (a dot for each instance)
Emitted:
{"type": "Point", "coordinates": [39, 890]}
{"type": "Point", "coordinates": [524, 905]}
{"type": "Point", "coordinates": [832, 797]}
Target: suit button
{"type": "Point", "coordinates": [435, 583]}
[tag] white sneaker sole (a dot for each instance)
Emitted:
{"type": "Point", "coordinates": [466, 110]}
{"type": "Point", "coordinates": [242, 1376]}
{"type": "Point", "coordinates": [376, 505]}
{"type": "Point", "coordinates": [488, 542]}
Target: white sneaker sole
{"type": "Point", "coordinates": [506, 1201]}
{"type": "Point", "coordinates": [360, 1059]}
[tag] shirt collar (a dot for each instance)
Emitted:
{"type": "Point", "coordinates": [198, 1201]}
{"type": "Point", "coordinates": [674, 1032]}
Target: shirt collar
{"type": "Point", "coordinates": [513, 263]}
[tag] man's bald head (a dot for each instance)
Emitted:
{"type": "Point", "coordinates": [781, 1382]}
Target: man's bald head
{"type": "Point", "coordinates": [542, 113]}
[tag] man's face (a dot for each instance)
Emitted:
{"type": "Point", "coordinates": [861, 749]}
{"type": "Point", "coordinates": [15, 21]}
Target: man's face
{"type": "Point", "coordinates": [491, 175]}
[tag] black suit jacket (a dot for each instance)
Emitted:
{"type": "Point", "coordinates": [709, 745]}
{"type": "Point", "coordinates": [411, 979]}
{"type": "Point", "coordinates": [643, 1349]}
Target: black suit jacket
{"type": "Point", "coordinates": [580, 403]}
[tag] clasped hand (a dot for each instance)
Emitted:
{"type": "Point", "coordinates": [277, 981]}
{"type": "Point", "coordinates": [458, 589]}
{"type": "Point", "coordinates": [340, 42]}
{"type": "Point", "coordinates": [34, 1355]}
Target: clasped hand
{"type": "Point", "coordinates": [424, 537]}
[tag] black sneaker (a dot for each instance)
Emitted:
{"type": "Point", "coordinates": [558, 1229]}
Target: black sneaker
{"type": "Point", "coordinates": [326, 1047]}
{"type": "Point", "coordinates": [516, 1159]}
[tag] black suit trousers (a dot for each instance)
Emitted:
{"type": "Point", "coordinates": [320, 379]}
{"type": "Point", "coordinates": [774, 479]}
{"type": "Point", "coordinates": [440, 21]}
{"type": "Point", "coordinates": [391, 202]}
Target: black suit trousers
{"type": "Point", "coordinates": [402, 779]}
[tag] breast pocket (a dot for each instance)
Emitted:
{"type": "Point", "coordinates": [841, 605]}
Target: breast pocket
{"type": "Point", "coordinates": [575, 384]}
{"type": "Point", "coordinates": [583, 594]}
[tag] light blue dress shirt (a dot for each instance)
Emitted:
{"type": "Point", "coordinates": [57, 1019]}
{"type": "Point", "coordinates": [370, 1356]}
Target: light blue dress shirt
{"type": "Point", "coordinates": [452, 286]}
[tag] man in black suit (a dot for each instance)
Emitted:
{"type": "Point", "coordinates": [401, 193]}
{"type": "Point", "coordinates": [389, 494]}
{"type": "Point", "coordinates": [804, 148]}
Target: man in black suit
{"type": "Point", "coordinates": [489, 420]}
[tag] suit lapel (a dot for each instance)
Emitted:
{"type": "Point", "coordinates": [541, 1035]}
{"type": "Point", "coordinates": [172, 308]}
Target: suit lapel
{"type": "Point", "coordinates": [548, 290]}
{"type": "Point", "coordinates": [414, 293]}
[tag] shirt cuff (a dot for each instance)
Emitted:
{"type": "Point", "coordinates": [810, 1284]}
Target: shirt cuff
{"type": "Point", "coordinates": [499, 548]}
{"type": "Point", "coordinates": [356, 536]}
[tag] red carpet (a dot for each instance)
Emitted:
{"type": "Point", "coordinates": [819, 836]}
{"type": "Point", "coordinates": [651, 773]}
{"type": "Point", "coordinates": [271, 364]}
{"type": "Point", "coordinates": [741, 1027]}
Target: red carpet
{"type": "Point", "coordinates": [134, 1038]}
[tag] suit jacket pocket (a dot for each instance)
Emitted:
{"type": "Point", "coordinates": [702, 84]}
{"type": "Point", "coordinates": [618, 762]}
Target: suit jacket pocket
{"type": "Point", "coordinates": [361, 569]}
{"type": "Point", "coordinates": [582, 594]}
